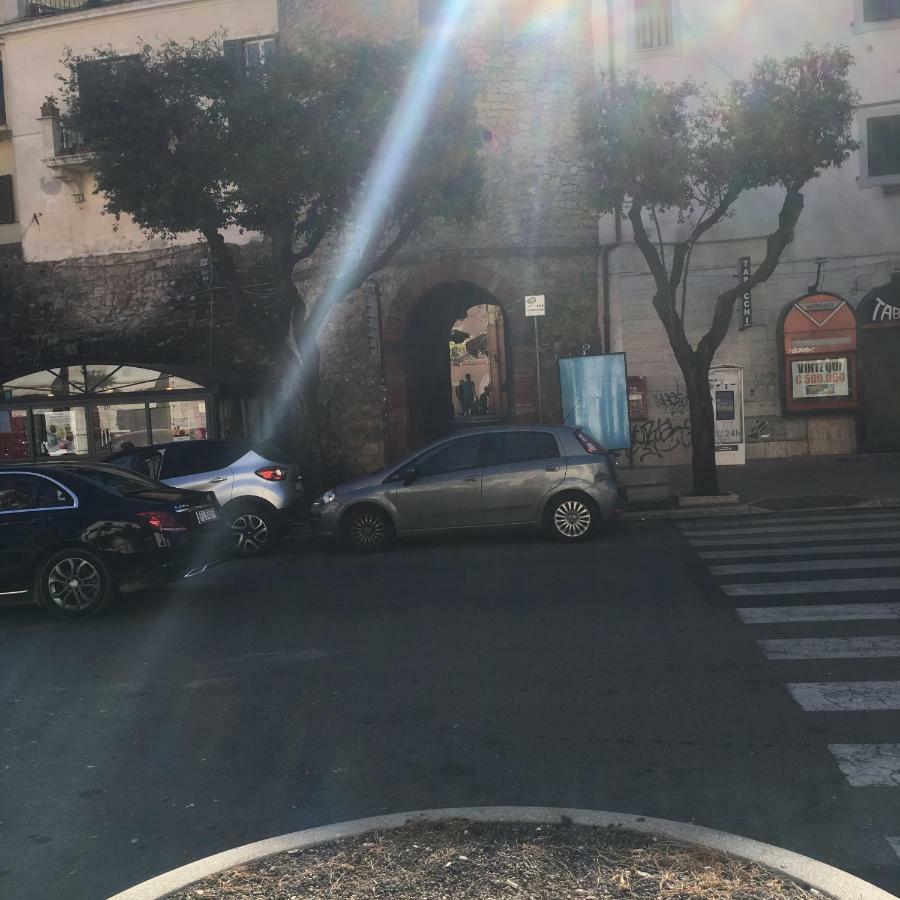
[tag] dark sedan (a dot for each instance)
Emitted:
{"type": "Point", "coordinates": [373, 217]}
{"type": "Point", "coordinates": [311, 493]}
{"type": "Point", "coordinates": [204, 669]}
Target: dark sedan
{"type": "Point", "coordinates": [73, 534]}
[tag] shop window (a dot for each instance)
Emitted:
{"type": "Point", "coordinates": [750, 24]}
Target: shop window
{"type": "Point", "coordinates": [60, 431]}
{"type": "Point", "coordinates": [180, 420]}
{"type": "Point", "coordinates": [653, 24]}
{"type": "Point", "coordinates": [14, 434]}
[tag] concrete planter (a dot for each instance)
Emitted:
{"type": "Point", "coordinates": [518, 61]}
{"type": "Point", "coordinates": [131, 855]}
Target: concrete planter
{"type": "Point", "coordinates": [824, 878]}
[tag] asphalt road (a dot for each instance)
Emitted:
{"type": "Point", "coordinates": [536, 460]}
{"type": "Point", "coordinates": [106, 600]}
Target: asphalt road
{"type": "Point", "coordinates": [314, 687]}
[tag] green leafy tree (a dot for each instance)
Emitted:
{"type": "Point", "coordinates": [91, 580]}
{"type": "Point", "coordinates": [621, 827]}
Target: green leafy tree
{"type": "Point", "coordinates": [187, 139]}
{"type": "Point", "coordinates": [676, 158]}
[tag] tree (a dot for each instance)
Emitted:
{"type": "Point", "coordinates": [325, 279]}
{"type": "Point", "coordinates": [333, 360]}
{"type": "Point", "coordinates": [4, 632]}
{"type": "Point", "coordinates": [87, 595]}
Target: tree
{"type": "Point", "coordinates": [678, 157]}
{"type": "Point", "coordinates": [188, 139]}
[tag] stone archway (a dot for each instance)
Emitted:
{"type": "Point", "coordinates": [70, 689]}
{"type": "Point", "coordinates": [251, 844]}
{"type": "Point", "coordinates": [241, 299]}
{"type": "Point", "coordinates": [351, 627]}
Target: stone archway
{"type": "Point", "coordinates": [424, 308]}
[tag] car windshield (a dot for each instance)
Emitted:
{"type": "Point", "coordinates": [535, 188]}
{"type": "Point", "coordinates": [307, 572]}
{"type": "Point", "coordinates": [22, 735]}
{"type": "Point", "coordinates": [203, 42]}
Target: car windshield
{"type": "Point", "coordinates": [484, 408]}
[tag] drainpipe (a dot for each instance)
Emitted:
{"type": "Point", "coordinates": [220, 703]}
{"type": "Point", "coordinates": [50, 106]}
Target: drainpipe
{"type": "Point", "coordinates": [617, 239]}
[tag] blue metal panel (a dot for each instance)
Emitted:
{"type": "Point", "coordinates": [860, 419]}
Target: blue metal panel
{"type": "Point", "coordinates": [595, 398]}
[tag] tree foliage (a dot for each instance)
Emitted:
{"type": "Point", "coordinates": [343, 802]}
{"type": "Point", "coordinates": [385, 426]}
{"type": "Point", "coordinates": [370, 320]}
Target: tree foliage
{"type": "Point", "coordinates": [184, 139]}
{"type": "Point", "coordinates": [676, 158]}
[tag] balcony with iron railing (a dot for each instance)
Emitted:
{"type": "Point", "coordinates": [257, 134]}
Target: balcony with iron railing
{"type": "Point", "coordinates": [35, 9]}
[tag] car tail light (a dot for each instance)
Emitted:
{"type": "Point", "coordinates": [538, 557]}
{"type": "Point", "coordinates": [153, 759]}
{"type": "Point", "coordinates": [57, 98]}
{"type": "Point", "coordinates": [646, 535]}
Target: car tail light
{"type": "Point", "coordinates": [161, 520]}
{"type": "Point", "coordinates": [272, 473]}
{"type": "Point", "coordinates": [589, 444]}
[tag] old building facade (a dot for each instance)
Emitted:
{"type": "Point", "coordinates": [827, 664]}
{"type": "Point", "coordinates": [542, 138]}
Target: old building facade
{"type": "Point", "coordinates": [104, 332]}
{"type": "Point", "coordinates": [844, 321]}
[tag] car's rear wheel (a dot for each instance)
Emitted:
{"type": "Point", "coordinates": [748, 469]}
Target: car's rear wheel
{"type": "Point", "coordinates": [74, 584]}
{"type": "Point", "coordinates": [254, 529]}
{"type": "Point", "coordinates": [572, 517]}
{"type": "Point", "coordinates": [367, 529]}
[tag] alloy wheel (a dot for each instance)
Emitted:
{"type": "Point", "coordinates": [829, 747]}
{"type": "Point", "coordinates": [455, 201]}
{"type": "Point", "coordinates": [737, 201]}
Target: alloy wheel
{"type": "Point", "coordinates": [74, 583]}
{"type": "Point", "coordinates": [572, 518]}
{"type": "Point", "coordinates": [250, 533]}
{"type": "Point", "coordinates": [368, 531]}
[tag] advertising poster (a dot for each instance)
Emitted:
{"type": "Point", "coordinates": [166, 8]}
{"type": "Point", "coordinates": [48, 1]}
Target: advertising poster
{"type": "Point", "coordinates": [813, 378]}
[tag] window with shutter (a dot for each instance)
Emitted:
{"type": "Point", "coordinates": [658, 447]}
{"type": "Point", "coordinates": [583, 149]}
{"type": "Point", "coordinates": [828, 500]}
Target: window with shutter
{"type": "Point", "coordinates": [883, 145]}
{"type": "Point", "coordinates": [251, 55]}
{"type": "Point", "coordinates": [880, 10]}
{"type": "Point", "coordinates": [7, 206]}
{"type": "Point", "coordinates": [653, 26]}
{"type": "Point", "coordinates": [2, 97]}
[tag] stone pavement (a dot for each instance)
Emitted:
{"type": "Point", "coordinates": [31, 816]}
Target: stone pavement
{"type": "Point", "coordinates": [815, 479]}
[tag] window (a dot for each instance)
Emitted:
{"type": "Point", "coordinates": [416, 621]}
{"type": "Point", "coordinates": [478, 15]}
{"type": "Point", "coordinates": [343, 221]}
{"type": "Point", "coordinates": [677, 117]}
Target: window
{"type": "Point", "coordinates": [7, 203]}
{"type": "Point", "coordinates": [511, 447]}
{"type": "Point", "coordinates": [428, 12]}
{"type": "Point", "coordinates": [880, 10]}
{"type": "Point", "coordinates": [61, 431]}
{"type": "Point", "coordinates": [883, 145]}
{"type": "Point", "coordinates": [653, 25]}
{"type": "Point", "coordinates": [457, 456]}
{"type": "Point", "coordinates": [20, 492]}
{"type": "Point", "coordinates": [879, 129]}
{"type": "Point", "coordinates": [251, 55]}
{"type": "Point", "coordinates": [181, 460]}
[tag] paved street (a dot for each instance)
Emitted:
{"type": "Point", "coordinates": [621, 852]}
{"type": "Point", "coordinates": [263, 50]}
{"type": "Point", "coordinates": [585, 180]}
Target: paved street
{"type": "Point", "coordinates": [629, 674]}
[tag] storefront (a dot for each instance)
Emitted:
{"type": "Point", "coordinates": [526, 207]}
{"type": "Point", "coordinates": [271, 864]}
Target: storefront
{"type": "Point", "coordinates": [91, 410]}
{"type": "Point", "coordinates": [879, 348]}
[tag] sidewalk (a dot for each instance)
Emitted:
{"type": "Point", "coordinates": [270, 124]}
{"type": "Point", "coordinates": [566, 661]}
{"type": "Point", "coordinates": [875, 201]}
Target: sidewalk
{"type": "Point", "coordinates": [799, 483]}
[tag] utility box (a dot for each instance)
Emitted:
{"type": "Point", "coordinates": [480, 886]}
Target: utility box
{"type": "Point", "coordinates": [637, 397]}
{"type": "Point", "coordinates": [726, 386]}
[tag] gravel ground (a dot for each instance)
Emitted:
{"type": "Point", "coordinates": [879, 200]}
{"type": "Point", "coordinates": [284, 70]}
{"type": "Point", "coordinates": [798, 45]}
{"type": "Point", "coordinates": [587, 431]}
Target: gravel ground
{"type": "Point", "coordinates": [464, 860]}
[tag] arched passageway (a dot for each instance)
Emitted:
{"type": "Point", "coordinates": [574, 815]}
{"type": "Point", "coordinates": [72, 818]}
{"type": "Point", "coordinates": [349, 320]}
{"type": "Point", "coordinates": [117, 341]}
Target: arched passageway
{"type": "Point", "coordinates": [421, 380]}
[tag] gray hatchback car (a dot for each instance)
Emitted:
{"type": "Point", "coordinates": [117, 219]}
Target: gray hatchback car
{"type": "Point", "coordinates": [558, 479]}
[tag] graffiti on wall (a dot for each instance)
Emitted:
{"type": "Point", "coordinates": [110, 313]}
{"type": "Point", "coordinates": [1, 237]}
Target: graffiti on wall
{"type": "Point", "coordinates": [674, 402]}
{"type": "Point", "coordinates": [765, 428]}
{"type": "Point", "coordinates": [655, 438]}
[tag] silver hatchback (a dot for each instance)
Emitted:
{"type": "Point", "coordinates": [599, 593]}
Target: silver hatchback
{"type": "Point", "coordinates": [558, 479]}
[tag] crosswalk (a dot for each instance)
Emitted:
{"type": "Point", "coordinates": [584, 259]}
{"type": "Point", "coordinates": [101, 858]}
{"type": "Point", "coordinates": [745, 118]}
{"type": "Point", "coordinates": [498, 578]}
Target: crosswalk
{"type": "Point", "coordinates": [836, 577]}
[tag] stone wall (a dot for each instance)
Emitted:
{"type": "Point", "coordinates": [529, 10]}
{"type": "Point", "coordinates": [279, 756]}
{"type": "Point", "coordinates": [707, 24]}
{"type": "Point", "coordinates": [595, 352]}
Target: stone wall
{"type": "Point", "coordinates": [147, 307]}
{"type": "Point", "coordinates": [536, 235]}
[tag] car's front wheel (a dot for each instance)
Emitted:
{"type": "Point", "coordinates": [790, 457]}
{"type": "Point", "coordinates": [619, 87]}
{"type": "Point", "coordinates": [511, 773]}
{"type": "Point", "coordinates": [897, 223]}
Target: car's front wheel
{"type": "Point", "coordinates": [254, 529]}
{"type": "Point", "coordinates": [367, 529]}
{"type": "Point", "coordinates": [572, 517]}
{"type": "Point", "coordinates": [74, 584]}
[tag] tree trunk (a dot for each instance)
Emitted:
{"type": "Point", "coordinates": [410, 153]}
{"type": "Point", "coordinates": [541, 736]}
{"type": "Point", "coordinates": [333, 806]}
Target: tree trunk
{"type": "Point", "coordinates": [703, 436]}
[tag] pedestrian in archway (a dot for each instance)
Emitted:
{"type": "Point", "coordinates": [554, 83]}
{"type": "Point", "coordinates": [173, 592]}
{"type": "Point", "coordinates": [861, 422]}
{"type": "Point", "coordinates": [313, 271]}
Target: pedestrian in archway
{"type": "Point", "coordinates": [467, 395]}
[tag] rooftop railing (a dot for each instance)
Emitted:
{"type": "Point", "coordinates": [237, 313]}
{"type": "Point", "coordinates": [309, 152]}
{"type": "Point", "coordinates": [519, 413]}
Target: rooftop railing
{"type": "Point", "coordinates": [34, 9]}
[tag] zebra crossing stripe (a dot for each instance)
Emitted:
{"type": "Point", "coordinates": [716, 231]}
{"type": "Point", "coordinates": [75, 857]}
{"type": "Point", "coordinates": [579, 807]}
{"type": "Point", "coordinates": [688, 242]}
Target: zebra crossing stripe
{"type": "Point", "coordinates": [839, 612]}
{"type": "Point", "coordinates": [847, 696]}
{"type": "Point", "coordinates": [818, 586]}
{"type": "Point", "coordinates": [759, 521]}
{"type": "Point", "coordinates": [773, 552]}
{"type": "Point", "coordinates": [798, 528]}
{"type": "Point", "coordinates": [869, 765]}
{"type": "Point", "coordinates": [810, 565]}
{"type": "Point", "coordinates": [832, 648]}
{"type": "Point", "coordinates": [845, 537]}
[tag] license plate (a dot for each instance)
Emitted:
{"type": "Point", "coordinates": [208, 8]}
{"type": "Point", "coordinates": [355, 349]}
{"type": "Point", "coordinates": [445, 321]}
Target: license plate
{"type": "Point", "coordinates": [206, 515]}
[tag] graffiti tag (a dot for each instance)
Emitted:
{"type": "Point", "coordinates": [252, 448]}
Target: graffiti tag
{"type": "Point", "coordinates": [672, 402]}
{"type": "Point", "coordinates": [656, 437]}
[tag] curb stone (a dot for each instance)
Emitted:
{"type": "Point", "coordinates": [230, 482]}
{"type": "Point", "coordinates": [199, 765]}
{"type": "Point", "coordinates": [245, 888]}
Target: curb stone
{"type": "Point", "coordinates": [824, 878]}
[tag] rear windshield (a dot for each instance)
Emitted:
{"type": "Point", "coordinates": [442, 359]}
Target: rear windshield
{"type": "Point", "coordinates": [119, 480]}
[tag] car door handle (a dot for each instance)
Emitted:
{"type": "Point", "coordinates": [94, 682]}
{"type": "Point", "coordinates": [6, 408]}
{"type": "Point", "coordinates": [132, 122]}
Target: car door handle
{"type": "Point", "coordinates": [552, 468]}
{"type": "Point", "coordinates": [219, 479]}
{"type": "Point", "coordinates": [471, 479]}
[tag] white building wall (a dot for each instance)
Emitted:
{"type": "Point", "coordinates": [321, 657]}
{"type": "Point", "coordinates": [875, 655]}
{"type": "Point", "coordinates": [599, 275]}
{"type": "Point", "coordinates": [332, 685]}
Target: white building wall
{"type": "Point", "coordinates": [53, 224]}
{"type": "Point", "coordinates": [856, 228]}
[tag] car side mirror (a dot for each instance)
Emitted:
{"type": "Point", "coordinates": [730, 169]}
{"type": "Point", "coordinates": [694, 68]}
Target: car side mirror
{"type": "Point", "coordinates": [408, 476]}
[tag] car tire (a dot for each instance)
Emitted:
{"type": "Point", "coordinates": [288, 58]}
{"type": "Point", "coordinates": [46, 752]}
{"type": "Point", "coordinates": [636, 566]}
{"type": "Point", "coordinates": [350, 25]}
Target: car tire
{"type": "Point", "coordinates": [367, 529]}
{"type": "Point", "coordinates": [74, 584]}
{"type": "Point", "coordinates": [254, 527]}
{"type": "Point", "coordinates": [571, 518]}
